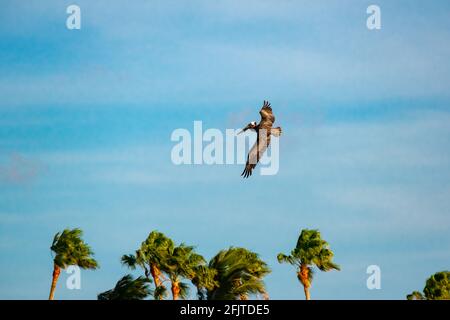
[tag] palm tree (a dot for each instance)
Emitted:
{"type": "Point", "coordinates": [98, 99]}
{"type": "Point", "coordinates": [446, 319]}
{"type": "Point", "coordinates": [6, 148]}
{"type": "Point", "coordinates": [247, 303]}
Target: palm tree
{"type": "Point", "coordinates": [437, 287]}
{"type": "Point", "coordinates": [204, 280]}
{"type": "Point", "coordinates": [150, 256]}
{"type": "Point", "coordinates": [238, 274]}
{"type": "Point", "coordinates": [70, 249]}
{"type": "Point", "coordinates": [310, 251]}
{"type": "Point", "coordinates": [181, 263]}
{"type": "Point", "coordinates": [415, 295]}
{"type": "Point", "coordinates": [127, 289]}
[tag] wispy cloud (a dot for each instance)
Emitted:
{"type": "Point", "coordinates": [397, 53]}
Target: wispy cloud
{"type": "Point", "coordinates": [18, 169]}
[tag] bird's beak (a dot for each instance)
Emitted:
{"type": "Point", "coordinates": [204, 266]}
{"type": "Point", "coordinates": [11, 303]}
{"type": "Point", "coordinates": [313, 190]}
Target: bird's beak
{"type": "Point", "coordinates": [243, 130]}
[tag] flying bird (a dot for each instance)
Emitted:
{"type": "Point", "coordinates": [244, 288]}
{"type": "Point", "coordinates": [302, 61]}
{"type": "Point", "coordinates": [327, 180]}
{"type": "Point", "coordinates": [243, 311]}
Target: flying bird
{"type": "Point", "coordinates": [264, 131]}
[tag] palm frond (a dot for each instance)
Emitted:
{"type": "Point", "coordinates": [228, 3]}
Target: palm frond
{"type": "Point", "coordinates": [415, 295]}
{"type": "Point", "coordinates": [239, 273]}
{"type": "Point", "coordinates": [70, 249]}
{"type": "Point", "coordinates": [127, 289]}
{"type": "Point", "coordinates": [437, 287]}
{"type": "Point", "coordinates": [282, 258]}
{"type": "Point", "coordinates": [160, 293]}
{"type": "Point", "coordinates": [184, 290]}
{"type": "Point", "coordinates": [310, 250]}
{"type": "Point", "coordinates": [129, 260]}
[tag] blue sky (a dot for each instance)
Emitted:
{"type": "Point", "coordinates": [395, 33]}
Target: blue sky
{"type": "Point", "coordinates": [86, 117]}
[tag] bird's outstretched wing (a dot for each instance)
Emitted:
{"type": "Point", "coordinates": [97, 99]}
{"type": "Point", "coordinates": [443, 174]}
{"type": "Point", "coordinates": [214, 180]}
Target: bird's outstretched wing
{"type": "Point", "coordinates": [256, 152]}
{"type": "Point", "coordinates": [267, 117]}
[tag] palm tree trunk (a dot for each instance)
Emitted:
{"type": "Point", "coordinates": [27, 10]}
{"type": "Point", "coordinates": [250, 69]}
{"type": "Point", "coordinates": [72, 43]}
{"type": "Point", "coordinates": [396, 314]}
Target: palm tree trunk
{"type": "Point", "coordinates": [155, 274]}
{"type": "Point", "coordinates": [307, 295]}
{"type": "Point", "coordinates": [175, 290]}
{"type": "Point", "coordinates": [56, 273]}
{"type": "Point", "coordinates": [303, 276]}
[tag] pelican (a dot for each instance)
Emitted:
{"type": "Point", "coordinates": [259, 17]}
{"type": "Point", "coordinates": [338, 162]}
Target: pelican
{"type": "Point", "coordinates": [263, 130]}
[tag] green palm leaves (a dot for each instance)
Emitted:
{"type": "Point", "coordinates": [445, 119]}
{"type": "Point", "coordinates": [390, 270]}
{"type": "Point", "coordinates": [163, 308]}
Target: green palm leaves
{"type": "Point", "coordinates": [161, 259]}
{"type": "Point", "coordinates": [181, 263]}
{"type": "Point", "coordinates": [128, 288]}
{"type": "Point", "coordinates": [70, 249]}
{"type": "Point", "coordinates": [234, 273]}
{"type": "Point", "coordinates": [238, 273]}
{"type": "Point", "coordinates": [311, 250]}
{"type": "Point", "coordinates": [205, 280]}
{"type": "Point", "coordinates": [437, 287]}
{"type": "Point", "coordinates": [415, 295]}
{"type": "Point", "coordinates": [150, 257]}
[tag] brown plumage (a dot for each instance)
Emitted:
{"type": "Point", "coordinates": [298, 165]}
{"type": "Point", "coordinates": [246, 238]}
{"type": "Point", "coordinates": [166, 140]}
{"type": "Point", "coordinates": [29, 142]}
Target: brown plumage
{"type": "Point", "coordinates": [264, 131]}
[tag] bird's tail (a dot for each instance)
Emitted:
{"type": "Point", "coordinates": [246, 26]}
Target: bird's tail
{"type": "Point", "coordinates": [276, 131]}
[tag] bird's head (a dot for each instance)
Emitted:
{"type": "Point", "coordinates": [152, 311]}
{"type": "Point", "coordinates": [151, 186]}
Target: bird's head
{"type": "Point", "coordinates": [251, 125]}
